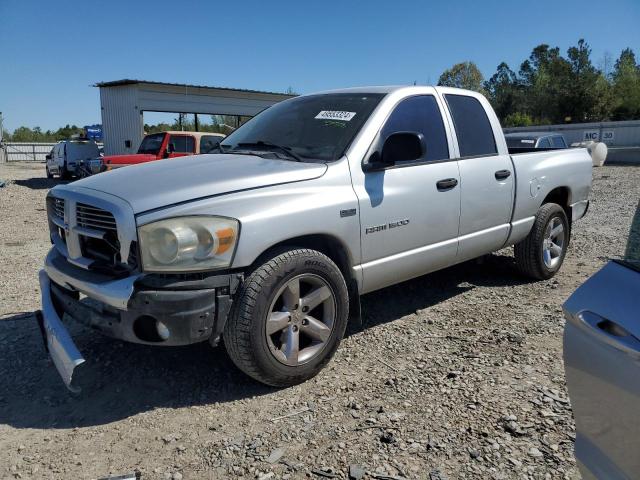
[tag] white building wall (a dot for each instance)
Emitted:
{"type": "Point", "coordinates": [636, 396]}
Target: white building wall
{"type": "Point", "coordinates": [121, 119]}
{"type": "Point", "coordinates": [123, 107]}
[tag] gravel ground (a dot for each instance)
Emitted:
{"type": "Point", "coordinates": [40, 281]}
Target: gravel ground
{"type": "Point", "coordinates": [458, 374]}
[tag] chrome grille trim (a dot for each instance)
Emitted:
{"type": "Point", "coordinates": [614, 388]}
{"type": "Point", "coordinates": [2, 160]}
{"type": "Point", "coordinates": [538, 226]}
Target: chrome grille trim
{"type": "Point", "coordinates": [89, 213]}
{"type": "Point", "coordinates": [95, 218]}
{"type": "Point", "coordinates": [57, 206]}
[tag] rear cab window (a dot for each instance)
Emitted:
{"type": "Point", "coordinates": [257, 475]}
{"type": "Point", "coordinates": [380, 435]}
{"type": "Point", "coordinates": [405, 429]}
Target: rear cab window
{"type": "Point", "coordinates": [544, 143]}
{"type": "Point", "coordinates": [558, 142]}
{"type": "Point", "coordinates": [209, 142]}
{"type": "Point", "coordinates": [182, 143]}
{"type": "Point", "coordinates": [473, 128]}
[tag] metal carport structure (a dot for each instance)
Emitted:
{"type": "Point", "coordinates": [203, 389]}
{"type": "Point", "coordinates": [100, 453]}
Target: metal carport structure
{"type": "Point", "coordinates": [123, 103]}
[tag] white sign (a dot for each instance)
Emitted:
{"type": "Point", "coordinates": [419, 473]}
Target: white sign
{"type": "Point", "coordinates": [336, 115]}
{"type": "Point", "coordinates": [593, 135]}
{"type": "Point", "coordinates": [607, 136]}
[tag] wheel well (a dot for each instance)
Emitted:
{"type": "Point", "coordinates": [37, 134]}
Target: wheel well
{"type": "Point", "coordinates": [559, 195]}
{"type": "Point", "coordinates": [336, 251]}
{"type": "Point", "coordinates": [327, 244]}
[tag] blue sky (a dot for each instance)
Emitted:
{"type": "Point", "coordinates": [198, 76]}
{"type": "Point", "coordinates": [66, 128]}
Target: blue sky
{"type": "Point", "coordinates": [53, 51]}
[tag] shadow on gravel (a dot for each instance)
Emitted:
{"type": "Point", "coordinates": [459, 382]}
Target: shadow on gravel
{"type": "Point", "coordinates": [394, 302]}
{"type": "Point", "coordinates": [121, 379]}
{"type": "Point", "coordinates": [40, 183]}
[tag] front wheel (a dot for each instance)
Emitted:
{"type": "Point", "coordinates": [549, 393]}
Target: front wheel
{"type": "Point", "coordinates": [288, 318]}
{"type": "Point", "coordinates": [49, 174]}
{"type": "Point", "coordinates": [541, 254]}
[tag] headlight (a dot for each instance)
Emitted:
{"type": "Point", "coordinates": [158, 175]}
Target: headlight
{"type": "Point", "coordinates": [188, 244]}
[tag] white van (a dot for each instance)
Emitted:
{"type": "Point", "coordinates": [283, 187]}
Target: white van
{"type": "Point", "coordinates": [66, 155]}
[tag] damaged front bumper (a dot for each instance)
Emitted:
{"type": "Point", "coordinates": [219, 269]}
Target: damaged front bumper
{"type": "Point", "coordinates": [147, 309]}
{"type": "Point", "coordinates": [64, 353]}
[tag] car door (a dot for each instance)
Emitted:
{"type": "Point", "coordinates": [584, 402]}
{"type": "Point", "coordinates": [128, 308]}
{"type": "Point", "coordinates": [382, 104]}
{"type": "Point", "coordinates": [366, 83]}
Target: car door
{"type": "Point", "coordinates": [52, 161]}
{"type": "Point", "coordinates": [409, 224]}
{"type": "Point", "coordinates": [602, 366]}
{"type": "Point", "coordinates": [486, 177]}
{"type": "Point", "coordinates": [58, 157]}
{"type": "Point", "coordinates": [181, 145]}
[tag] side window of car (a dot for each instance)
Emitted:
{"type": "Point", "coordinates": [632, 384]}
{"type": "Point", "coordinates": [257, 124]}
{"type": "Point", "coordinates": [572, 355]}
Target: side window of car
{"type": "Point", "coordinates": [182, 143]}
{"type": "Point", "coordinates": [544, 143]}
{"type": "Point", "coordinates": [420, 114]}
{"type": "Point", "coordinates": [558, 142]}
{"type": "Point", "coordinates": [473, 129]}
{"type": "Point", "coordinates": [208, 143]}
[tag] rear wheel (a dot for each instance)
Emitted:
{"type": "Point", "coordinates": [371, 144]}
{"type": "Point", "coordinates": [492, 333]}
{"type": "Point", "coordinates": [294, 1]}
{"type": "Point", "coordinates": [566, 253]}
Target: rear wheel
{"type": "Point", "coordinates": [288, 319]}
{"type": "Point", "coordinates": [65, 174]}
{"type": "Point", "coordinates": [541, 254]}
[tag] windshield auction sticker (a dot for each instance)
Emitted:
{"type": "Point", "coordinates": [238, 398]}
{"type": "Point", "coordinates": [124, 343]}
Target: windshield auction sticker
{"type": "Point", "coordinates": [335, 115]}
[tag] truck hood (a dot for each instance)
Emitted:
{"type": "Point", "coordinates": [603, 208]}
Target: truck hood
{"type": "Point", "coordinates": [129, 159]}
{"type": "Point", "coordinates": [167, 182]}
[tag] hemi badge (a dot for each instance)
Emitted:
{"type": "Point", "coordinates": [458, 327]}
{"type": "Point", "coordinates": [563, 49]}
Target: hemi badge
{"type": "Point", "coordinates": [347, 213]}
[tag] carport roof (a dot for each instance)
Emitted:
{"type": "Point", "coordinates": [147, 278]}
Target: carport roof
{"type": "Point", "coordinates": [128, 81]}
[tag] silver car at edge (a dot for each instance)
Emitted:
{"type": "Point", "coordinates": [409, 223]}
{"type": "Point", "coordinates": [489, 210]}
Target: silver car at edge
{"type": "Point", "coordinates": [602, 364]}
{"type": "Point", "coordinates": [315, 201]}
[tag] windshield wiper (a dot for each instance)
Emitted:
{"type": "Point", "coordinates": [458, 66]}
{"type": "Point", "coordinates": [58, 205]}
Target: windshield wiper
{"type": "Point", "coordinates": [218, 146]}
{"type": "Point", "coordinates": [262, 143]}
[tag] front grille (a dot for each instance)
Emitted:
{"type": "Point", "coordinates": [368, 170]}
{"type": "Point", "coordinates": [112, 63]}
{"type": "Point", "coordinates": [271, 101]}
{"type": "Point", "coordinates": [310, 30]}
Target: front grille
{"type": "Point", "coordinates": [95, 218]}
{"type": "Point", "coordinates": [56, 207]}
{"type": "Point", "coordinates": [90, 236]}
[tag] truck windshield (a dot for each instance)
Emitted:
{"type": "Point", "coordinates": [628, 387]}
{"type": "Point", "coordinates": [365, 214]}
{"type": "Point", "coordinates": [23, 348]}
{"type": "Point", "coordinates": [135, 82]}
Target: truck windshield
{"type": "Point", "coordinates": [151, 144]}
{"type": "Point", "coordinates": [314, 127]}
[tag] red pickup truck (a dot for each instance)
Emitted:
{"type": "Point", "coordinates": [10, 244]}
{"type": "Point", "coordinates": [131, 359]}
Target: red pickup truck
{"type": "Point", "coordinates": [157, 146]}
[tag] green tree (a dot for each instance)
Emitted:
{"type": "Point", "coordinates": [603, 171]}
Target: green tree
{"type": "Point", "coordinates": [517, 119]}
{"type": "Point", "coordinates": [544, 79]}
{"type": "Point", "coordinates": [463, 75]}
{"type": "Point", "coordinates": [626, 87]}
{"type": "Point", "coordinates": [504, 91]}
{"type": "Point", "coordinates": [581, 99]}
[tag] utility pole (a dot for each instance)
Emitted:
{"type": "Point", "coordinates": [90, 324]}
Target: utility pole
{"type": "Point", "coordinates": [2, 154]}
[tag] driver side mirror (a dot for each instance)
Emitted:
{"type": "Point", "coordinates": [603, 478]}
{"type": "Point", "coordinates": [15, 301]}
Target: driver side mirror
{"type": "Point", "coordinates": [398, 147]}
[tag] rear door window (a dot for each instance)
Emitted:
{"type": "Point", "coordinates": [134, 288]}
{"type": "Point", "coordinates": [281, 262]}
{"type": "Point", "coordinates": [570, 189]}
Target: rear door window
{"type": "Point", "coordinates": [473, 129]}
{"type": "Point", "coordinates": [182, 143]}
{"type": "Point", "coordinates": [420, 114]}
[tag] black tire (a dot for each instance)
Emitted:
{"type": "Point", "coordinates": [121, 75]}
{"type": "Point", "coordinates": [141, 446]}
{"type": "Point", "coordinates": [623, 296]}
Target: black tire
{"type": "Point", "coordinates": [529, 253]}
{"type": "Point", "coordinates": [49, 174]}
{"type": "Point", "coordinates": [245, 336]}
{"type": "Point", "coordinates": [65, 174]}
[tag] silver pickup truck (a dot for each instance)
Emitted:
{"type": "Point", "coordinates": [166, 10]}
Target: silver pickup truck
{"type": "Point", "coordinates": [268, 243]}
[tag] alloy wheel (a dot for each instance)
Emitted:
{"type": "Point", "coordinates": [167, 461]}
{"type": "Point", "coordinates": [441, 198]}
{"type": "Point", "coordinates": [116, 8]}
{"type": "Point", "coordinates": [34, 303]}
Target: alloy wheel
{"type": "Point", "coordinates": [301, 319]}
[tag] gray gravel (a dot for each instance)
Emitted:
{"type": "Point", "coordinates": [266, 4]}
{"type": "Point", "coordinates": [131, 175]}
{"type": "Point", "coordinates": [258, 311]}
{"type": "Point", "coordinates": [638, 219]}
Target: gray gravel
{"type": "Point", "coordinates": [458, 374]}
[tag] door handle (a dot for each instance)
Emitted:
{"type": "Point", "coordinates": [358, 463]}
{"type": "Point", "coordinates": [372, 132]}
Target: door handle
{"type": "Point", "coordinates": [502, 174]}
{"type": "Point", "coordinates": [446, 184]}
{"type": "Point", "coordinates": [611, 332]}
